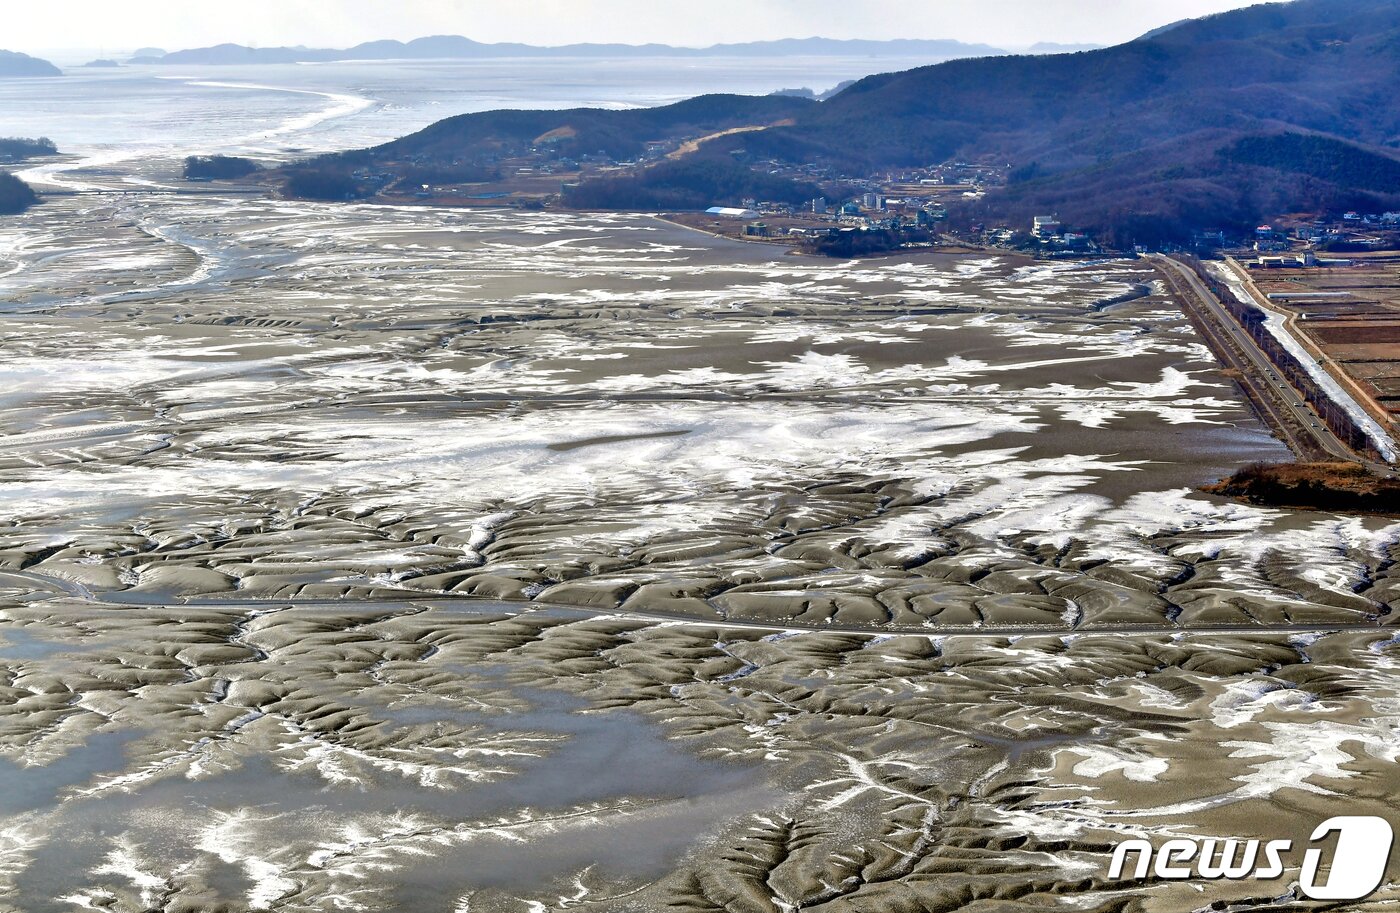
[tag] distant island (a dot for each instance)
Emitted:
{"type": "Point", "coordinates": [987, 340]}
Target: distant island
{"type": "Point", "coordinates": [455, 47]}
{"type": "Point", "coordinates": [815, 95]}
{"type": "Point", "coordinates": [19, 148]}
{"type": "Point", "coordinates": [1147, 143]}
{"type": "Point", "coordinates": [15, 64]}
{"type": "Point", "coordinates": [15, 195]}
{"type": "Point", "coordinates": [101, 62]}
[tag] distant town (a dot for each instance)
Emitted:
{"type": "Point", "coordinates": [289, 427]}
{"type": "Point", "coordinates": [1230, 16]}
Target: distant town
{"type": "Point", "coordinates": [893, 210]}
{"type": "Point", "coordinates": [896, 210]}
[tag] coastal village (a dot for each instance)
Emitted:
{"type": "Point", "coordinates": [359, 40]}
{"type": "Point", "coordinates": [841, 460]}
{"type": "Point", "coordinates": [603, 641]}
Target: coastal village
{"type": "Point", "coordinates": [912, 202]}
{"type": "Point", "coordinates": [908, 208]}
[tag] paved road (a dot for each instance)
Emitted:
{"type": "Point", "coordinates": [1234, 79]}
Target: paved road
{"type": "Point", "coordinates": [1283, 398]}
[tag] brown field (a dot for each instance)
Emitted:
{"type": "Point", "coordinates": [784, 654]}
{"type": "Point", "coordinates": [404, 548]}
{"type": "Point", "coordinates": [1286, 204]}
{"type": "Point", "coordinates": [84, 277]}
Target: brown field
{"type": "Point", "coordinates": [1361, 333]}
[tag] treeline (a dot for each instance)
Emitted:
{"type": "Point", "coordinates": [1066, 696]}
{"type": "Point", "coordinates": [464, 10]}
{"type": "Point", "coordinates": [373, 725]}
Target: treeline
{"type": "Point", "coordinates": [329, 182]}
{"type": "Point", "coordinates": [688, 184]}
{"type": "Point", "coordinates": [16, 148]}
{"type": "Point", "coordinates": [15, 195]}
{"type": "Point", "coordinates": [863, 243]}
{"type": "Point", "coordinates": [219, 167]}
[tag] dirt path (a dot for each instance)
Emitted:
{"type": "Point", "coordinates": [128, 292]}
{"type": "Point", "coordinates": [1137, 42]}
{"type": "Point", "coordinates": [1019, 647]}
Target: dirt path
{"type": "Point", "coordinates": [692, 146]}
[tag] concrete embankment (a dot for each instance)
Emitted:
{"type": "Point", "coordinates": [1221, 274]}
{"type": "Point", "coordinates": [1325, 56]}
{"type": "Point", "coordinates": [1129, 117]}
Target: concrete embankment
{"type": "Point", "coordinates": [1346, 431]}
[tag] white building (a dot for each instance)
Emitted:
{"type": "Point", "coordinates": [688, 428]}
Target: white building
{"type": "Point", "coordinates": [728, 212]}
{"type": "Point", "coordinates": [1046, 227]}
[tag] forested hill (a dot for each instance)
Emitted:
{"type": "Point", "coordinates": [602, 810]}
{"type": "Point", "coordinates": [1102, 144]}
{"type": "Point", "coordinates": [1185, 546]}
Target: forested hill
{"type": "Point", "coordinates": [1213, 122]}
{"type": "Point", "coordinates": [580, 131]}
{"type": "Point", "coordinates": [1149, 131]}
{"type": "Point", "coordinates": [1322, 65]}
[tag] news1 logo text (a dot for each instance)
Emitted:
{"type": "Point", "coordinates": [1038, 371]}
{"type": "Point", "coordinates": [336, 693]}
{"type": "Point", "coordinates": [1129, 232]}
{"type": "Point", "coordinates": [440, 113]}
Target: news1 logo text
{"type": "Point", "coordinates": [1355, 868]}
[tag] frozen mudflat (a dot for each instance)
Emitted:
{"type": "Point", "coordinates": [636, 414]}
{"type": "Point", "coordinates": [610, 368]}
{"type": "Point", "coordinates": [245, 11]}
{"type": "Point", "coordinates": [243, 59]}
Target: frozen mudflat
{"type": "Point", "coordinates": [444, 757]}
{"type": "Point", "coordinates": [287, 400]}
{"type": "Point", "coordinates": [361, 558]}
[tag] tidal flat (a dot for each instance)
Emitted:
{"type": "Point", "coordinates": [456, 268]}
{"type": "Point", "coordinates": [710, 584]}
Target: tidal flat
{"type": "Point", "coordinates": [452, 756]}
{"type": "Point", "coordinates": [370, 558]}
{"type": "Point", "coordinates": [607, 411]}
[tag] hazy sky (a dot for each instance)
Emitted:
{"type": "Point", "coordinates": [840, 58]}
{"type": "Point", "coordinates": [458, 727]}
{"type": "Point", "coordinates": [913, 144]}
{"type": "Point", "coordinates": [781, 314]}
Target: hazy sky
{"type": "Point", "coordinates": [175, 24]}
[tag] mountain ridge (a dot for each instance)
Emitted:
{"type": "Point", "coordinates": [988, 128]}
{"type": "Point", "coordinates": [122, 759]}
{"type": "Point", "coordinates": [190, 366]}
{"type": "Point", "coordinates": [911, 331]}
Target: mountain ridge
{"type": "Point", "coordinates": [458, 47]}
{"type": "Point", "coordinates": [1138, 130]}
